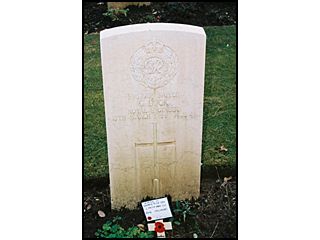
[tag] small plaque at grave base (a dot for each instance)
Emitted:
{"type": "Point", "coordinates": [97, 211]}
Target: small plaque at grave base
{"type": "Point", "coordinates": [156, 209]}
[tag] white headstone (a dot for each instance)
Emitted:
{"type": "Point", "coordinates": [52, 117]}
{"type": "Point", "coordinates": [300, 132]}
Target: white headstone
{"type": "Point", "coordinates": [153, 78]}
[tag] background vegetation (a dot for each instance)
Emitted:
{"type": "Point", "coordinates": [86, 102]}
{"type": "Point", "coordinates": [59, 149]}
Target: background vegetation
{"type": "Point", "coordinates": [97, 16]}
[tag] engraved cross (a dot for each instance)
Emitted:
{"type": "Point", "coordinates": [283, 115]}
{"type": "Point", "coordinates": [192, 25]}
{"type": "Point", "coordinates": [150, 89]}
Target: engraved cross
{"type": "Point", "coordinates": [155, 143]}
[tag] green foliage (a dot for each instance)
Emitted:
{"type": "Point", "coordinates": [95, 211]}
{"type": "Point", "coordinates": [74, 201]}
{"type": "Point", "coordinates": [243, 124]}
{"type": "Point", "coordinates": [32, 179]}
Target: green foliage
{"type": "Point", "coordinates": [114, 13]}
{"type": "Point", "coordinates": [199, 13]}
{"type": "Point", "coordinates": [219, 113]}
{"type": "Point", "coordinates": [182, 210]}
{"type": "Point", "coordinates": [95, 141]}
{"type": "Point", "coordinates": [111, 229]}
{"type": "Point", "coordinates": [194, 13]}
{"type": "Point", "coordinates": [150, 18]}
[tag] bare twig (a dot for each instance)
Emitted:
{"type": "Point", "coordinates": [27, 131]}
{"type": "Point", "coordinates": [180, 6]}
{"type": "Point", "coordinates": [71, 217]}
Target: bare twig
{"type": "Point", "coordinates": [217, 173]}
{"type": "Point", "coordinates": [228, 197]}
{"type": "Point", "coordinates": [103, 200]}
{"type": "Point", "coordinates": [215, 228]}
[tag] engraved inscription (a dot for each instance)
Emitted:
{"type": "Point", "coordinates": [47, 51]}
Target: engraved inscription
{"type": "Point", "coordinates": [150, 106]}
{"type": "Point", "coordinates": [153, 106]}
{"type": "Point", "coordinates": [154, 65]}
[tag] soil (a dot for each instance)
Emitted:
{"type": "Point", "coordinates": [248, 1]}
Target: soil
{"type": "Point", "coordinates": [215, 210]}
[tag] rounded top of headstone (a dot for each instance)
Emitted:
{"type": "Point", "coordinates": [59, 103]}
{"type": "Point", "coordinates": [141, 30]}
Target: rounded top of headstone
{"type": "Point", "coordinates": [151, 27]}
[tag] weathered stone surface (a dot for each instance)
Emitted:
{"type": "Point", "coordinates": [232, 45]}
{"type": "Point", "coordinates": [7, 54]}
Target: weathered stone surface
{"type": "Point", "coordinates": [153, 76]}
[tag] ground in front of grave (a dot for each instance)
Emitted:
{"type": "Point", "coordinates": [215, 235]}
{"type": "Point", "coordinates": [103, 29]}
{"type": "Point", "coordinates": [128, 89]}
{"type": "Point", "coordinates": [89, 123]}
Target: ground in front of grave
{"type": "Point", "coordinates": [214, 214]}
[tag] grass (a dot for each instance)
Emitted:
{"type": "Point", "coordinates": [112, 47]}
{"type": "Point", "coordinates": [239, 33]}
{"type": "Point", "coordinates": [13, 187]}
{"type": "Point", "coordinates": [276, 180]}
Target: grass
{"type": "Point", "coordinates": [219, 120]}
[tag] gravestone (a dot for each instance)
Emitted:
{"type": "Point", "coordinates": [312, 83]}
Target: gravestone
{"type": "Point", "coordinates": [153, 79]}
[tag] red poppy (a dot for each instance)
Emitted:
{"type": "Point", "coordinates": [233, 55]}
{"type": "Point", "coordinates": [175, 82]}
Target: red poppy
{"type": "Point", "coordinates": [149, 218]}
{"type": "Point", "coordinates": [159, 227]}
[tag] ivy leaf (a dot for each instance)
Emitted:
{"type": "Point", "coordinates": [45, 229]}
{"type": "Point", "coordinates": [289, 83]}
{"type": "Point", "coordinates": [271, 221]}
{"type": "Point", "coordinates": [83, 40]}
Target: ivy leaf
{"type": "Point", "coordinates": [177, 204]}
{"type": "Point", "coordinates": [116, 218]}
{"type": "Point", "coordinates": [114, 228]}
{"type": "Point", "coordinates": [177, 210]}
{"type": "Point", "coordinates": [177, 222]}
{"type": "Point", "coordinates": [106, 227]}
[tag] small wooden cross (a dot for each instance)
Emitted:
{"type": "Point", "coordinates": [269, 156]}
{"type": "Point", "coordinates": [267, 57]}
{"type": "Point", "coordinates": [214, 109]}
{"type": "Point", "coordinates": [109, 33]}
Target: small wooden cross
{"type": "Point", "coordinates": [160, 227]}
